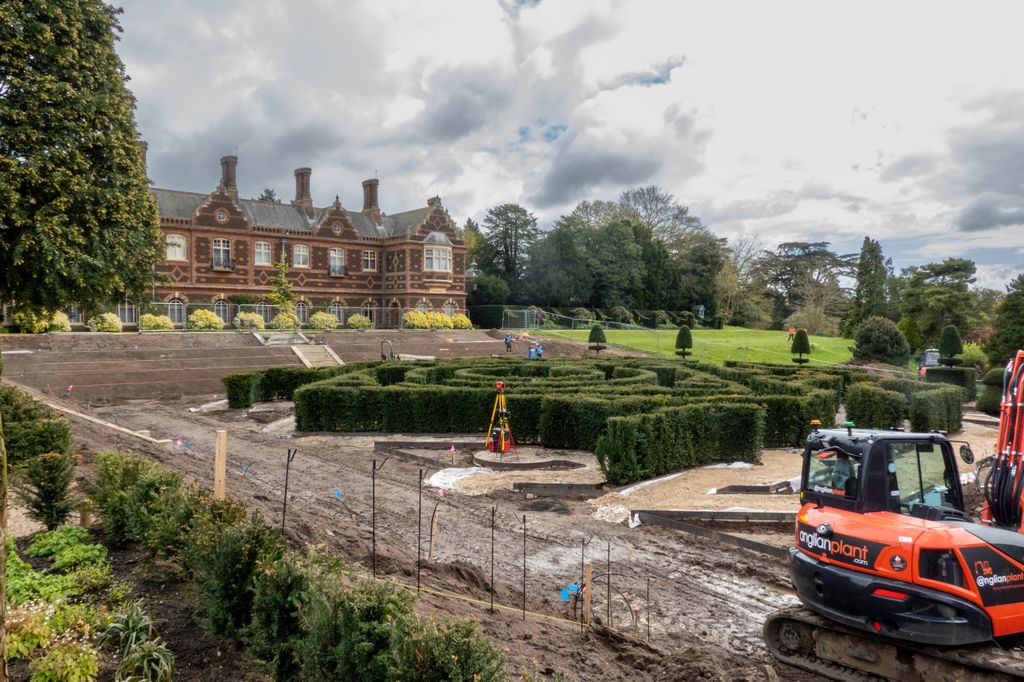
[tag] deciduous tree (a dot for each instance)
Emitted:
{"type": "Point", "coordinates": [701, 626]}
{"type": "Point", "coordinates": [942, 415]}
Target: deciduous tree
{"type": "Point", "coordinates": [77, 221]}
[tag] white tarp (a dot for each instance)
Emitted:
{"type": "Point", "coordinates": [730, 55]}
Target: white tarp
{"type": "Point", "coordinates": [446, 478]}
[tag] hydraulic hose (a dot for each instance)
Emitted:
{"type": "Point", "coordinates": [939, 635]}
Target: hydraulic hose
{"type": "Point", "coordinates": [1004, 487]}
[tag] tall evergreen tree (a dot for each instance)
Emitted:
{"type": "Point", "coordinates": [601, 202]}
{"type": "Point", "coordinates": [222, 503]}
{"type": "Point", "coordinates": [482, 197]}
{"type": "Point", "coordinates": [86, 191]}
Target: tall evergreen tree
{"type": "Point", "coordinates": [869, 294]}
{"type": "Point", "coordinates": [77, 222]}
{"type": "Point", "coordinates": [938, 294]}
{"type": "Point", "coordinates": [510, 230]}
{"type": "Point", "coordinates": [1009, 323]}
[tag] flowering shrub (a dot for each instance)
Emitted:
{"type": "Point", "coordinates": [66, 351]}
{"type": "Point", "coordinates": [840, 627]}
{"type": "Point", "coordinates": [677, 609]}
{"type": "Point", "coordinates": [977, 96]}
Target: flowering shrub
{"type": "Point", "coordinates": [205, 320]}
{"type": "Point", "coordinates": [59, 322]}
{"type": "Point", "coordinates": [155, 322]}
{"type": "Point", "coordinates": [248, 321]}
{"type": "Point", "coordinates": [37, 321]}
{"type": "Point", "coordinates": [323, 321]}
{"type": "Point", "coordinates": [285, 320]}
{"type": "Point", "coordinates": [71, 662]}
{"type": "Point", "coordinates": [105, 322]}
{"type": "Point", "coordinates": [358, 321]}
{"type": "Point", "coordinates": [417, 319]}
{"type": "Point", "coordinates": [460, 321]}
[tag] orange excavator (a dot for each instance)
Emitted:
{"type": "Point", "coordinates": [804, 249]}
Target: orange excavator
{"type": "Point", "coordinates": [896, 580]}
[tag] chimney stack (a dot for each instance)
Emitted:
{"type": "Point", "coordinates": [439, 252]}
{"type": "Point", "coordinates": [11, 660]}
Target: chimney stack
{"type": "Point", "coordinates": [370, 195]}
{"type": "Point", "coordinates": [227, 174]}
{"type": "Point", "coordinates": [302, 195]}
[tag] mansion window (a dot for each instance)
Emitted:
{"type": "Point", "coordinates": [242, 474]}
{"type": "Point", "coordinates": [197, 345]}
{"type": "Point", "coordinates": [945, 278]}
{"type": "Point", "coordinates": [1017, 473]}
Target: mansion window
{"type": "Point", "coordinates": [222, 309]}
{"type": "Point", "coordinates": [262, 253]}
{"type": "Point", "coordinates": [437, 260]}
{"type": "Point", "coordinates": [369, 260]}
{"type": "Point", "coordinates": [337, 263]}
{"type": "Point", "coordinates": [175, 247]}
{"type": "Point", "coordinates": [300, 256]}
{"type": "Point", "coordinates": [449, 309]}
{"type": "Point", "coordinates": [335, 309]}
{"type": "Point", "coordinates": [222, 254]}
{"type": "Point", "coordinates": [74, 314]}
{"type": "Point", "coordinates": [176, 311]}
{"type": "Point", "coordinates": [127, 312]}
{"type": "Point", "coordinates": [423, 307]}
{"type": "Point", "coordinates": [302, 312]}
{"type": "Point", "coordinates": [264, 311]}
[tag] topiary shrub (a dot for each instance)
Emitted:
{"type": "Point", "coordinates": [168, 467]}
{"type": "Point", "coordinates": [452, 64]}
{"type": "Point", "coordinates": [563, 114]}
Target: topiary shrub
{"type": "Point", "coordinates": [205, 320]}
{"type": "Point", "coordinates": [620, 314]}
{"type": "Point", "coordinates": [992, 393]}
{"type": "Point", "coordinates": [879, 339]}
{"type": "Point", "coordinates": [150, 322]}
{"type": "Point", "coordinates": [248, 321]}
{"type": "Point", "coordinates": [597, 339]}
{"type": "Point", "coordinates": [460, 321]}
{"type": "Point", "coordinates": [964, 377]}
{"type": "Point", "coordinates": [285, 320]}
{"type": "Point", "coordinates": [358, 321]}
{"type": "Point", "coordinates": [801, 346]}
{"type": "Point", "coordinates": [950, 346]}
{"type": "Point", "coordinates": [44, 487]}
{"type": "Point", "coordinates": [581, 314]}
{"type": "Point", "coordinates": [870, 406]}
{"type": "Point", "coordinates": [322, 321]}
{"type": "Point", "coordinates": [105, 322]}
{"type": "Point", "coordinates": [59, 322]}
{"type": "Point", "coordinates": [684, 341]}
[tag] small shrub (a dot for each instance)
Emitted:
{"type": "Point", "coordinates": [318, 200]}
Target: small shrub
{"type": "Point", "coordinates": [870, 406]}
{"type": "Point", "coordinates": [453, 650]}
{"type": "Point", "coordinates": [94, 579]}
{"type": "Point", "coordinates": [358, 321]}
{"type": "Point", "coordinates": [59, 322]}
{"type": "Point", "coordinates": [950, 346]}
{"type": "Point", "coordinates": [621, 314]}
{"type": "Point", "coordinates": [68, 547]}
{"type": "Point", "coordinates": [415, 319]}
{"type": "Point", "coordinates": [148, 661]}
{"type": "Point", "coordinates": [285, 320]}
{"type": "Point", "coordinates": [684, 341]}
{"type": "Point", "coordinates": [25, 584]}
{"type": "Point", "coordinates": [992, 395]}
{"type": "Point", "coordinates": [974, 356]}
{"type": "Point", "coordinates": [581, 314]}
{"type": "Point", "coordinates": [105, 322]}
{"type": "Point", "coordinates": [878, 339]}
{"type": "Point", "coordinates": [70, 662]}
{"type": "Point", "coordinates": [78, 621]}
{"type": "Point", "coordinates": [205, 320]}
{"type": "Point", "coordinates": [44, 487]}
{"type": "Point", "coordinates": [460, 321]}
{"type": "Point", "coordinates": [151, 322]}
{"type": "Point", "coordinates": [248, 321]}
{"type": "Point", "coordinates": [322, 321]}
{"type": "Point", "coordinates": [26, 631]}
{"type": "Point", "coordinates": [128, 628]}
{"type": "Point", "coordinates": [597, 339]}
{"type": "Point", "coordinates": [275, 629]}
{"type": "Point", "coordinates": [33, 321]}
{"type": "Point", "coordinates": [801, 346]}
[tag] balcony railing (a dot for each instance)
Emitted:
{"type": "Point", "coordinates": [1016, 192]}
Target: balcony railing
{"type": "Point", "coordinates": [222, 264]}
{"type": "Point", "coordinates": [338, 271]}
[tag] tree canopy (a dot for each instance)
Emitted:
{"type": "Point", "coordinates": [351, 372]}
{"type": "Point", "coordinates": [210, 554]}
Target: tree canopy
{"type": "Point", "coordinates": [77, 221]}
{"type": "Point", "coordinates": [510, 230]}
{"type": "Point", "coordinates": [869, 296]}
{"type": "Point", "coordinates": [938, 294]}
{"type": "Point", "coordinates": [1009, 322]}
{"type": "Point", "coordinates": [268, 194]}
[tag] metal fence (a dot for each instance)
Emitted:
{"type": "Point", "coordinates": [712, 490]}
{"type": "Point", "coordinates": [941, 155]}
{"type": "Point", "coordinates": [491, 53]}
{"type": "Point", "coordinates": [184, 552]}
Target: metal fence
{"type": "Point", "coordinates": [231, 314]}
{"type": "Point", "coordinates": [532, 318]}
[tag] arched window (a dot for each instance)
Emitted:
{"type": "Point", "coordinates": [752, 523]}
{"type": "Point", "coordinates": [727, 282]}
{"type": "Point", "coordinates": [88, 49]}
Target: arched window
{"type": "Point", "coordinates": [263, 310]}
{"type": "Point", "coordinates": [449, 309]}
{"type": "Point", "coordinates": [176, 311]}
{"type": "Point", "coordinates": [302, 312]}
{"type": "Point", "coordinates": [367, 309]}
{"type": "Point", "coordinates": [335, 309]}
{"type": "Point", "coordinates": [423, 306]}
{"type": "Point", "coordinates": [222, 309]}
{"type": "Point", "coordinates": [127, 312]}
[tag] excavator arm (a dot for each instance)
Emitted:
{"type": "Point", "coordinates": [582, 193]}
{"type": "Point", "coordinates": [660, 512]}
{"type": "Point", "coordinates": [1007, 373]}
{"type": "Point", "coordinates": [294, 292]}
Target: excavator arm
{"type": "Point", "coordinates": [1004, 485]}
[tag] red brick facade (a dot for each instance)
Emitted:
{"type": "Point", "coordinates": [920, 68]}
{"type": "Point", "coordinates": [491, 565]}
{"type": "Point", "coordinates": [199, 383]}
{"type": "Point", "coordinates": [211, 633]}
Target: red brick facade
{"type": "Point", "coordinates": [384, 256]}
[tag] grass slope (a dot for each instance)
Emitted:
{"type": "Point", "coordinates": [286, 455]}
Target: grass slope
{"type": "Point", "coordinates": [719, 345]}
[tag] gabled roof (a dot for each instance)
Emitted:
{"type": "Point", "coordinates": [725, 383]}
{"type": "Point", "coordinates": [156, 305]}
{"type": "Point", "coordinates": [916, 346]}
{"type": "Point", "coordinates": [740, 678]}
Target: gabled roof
{"type": "Point", "coordinates": [175, 204]}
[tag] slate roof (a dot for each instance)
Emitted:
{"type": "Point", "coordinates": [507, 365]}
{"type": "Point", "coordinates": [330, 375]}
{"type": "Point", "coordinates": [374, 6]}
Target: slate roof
{"type": "Point", "coordinates": [183, 205]}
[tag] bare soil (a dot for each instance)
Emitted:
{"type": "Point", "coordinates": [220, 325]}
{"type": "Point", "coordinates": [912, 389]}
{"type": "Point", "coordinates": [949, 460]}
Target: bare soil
{"type": "Point", "coordinates": [707, 601]}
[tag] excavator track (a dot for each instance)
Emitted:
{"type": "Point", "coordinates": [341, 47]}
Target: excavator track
{"type": "Point", "coordinates": [805, 640]}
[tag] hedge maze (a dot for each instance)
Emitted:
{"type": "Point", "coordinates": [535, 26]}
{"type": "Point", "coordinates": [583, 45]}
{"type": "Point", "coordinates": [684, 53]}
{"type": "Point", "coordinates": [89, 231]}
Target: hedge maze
{"type": "Point", "coordinates": [642, 417]}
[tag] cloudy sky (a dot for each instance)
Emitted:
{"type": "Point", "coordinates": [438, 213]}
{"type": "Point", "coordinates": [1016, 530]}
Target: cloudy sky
{"type": "Point", "coordinates": [790, 120]}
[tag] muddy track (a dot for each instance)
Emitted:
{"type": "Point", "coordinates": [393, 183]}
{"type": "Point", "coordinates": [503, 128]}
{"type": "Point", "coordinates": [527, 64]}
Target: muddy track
{"type": "Point", "coordinates": [707, 606]}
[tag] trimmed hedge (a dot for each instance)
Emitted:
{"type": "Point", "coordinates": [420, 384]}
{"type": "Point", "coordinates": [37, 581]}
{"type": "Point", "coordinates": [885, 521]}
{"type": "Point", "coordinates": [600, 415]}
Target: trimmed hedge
{"type": "Point", "coordinates": [938, 409]}
{"type": "Point", "coordinates": [964, 377]}
{"type": "Point", "coordinates": [992, 394]}
{"type": "Point", "coordinates": [869, 406]}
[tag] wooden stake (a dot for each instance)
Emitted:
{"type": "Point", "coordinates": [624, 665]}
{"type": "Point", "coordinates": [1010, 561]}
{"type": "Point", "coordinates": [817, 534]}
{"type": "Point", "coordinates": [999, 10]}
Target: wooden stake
{"type": "Point", "coordinates": [220, 467]}
{"type": "Point", "coordinates": [85, 514]}
{"type": "Point", "coordinates": [433, 532]}
{"type": "Point", "coordinates": [587, 574]}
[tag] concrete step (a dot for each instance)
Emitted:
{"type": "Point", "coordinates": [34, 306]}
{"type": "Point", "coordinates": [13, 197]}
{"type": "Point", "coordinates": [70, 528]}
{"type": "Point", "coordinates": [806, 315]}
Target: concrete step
{"type": "Point", "coordinates": [283, 338]}
{"type": "Point", "coordinates": [316, 356]}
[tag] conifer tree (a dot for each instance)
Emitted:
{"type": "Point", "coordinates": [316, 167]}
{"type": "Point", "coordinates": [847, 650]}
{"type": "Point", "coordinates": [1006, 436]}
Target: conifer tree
{"type": "Point", "coordinates": [950, 345]}
{"type": "Point", "coordinates": [801, 346]}
{"type": "Point", "coordinates": [596, 339]}
{"type": "Point", "coordinates": [1009, 323]}
{"type": "Point", "coordinates": [684, 341]}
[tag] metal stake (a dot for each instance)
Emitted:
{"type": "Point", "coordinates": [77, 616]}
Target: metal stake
{"type": "Point", "coordinates": [494, 509]}
{"type": "Point", "coordinates": [373, 511]}
{"type": "Point", "coordinates": [419, 533]}
{"type": "Point", "coordinates": [648, 609]}
{"type": "Point", "coordinates": [609, 605]}
{"type": "Point", "coordinates": [524, 566]}
{"type": "Point", "coordinates": [287, 469]}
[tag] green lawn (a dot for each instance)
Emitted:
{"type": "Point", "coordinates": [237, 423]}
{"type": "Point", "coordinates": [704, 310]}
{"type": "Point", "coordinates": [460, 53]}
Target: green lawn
{"type": "Point", "coordinates": [719, 345]}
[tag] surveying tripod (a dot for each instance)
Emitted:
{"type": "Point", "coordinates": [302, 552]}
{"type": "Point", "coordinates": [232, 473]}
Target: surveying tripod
{"type": "Point", "coordinates": [499, 433]}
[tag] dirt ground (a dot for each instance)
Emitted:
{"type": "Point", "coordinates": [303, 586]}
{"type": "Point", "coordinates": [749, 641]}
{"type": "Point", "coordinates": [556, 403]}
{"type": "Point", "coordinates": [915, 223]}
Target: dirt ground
{"type": "Point", "coordinates": [707, 602]}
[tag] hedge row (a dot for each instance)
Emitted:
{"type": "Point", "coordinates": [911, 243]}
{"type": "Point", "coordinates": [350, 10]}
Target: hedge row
{"type": "Point", "coordinates": [871, 406]}
{"type": "Point", "coordinates": [30, 427]}
{"type": "Point", "coordinates": [964, 377]}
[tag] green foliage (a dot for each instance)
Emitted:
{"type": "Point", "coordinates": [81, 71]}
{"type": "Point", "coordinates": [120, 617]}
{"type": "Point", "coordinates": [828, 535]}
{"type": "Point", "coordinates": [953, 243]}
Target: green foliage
{"type": "Point", "coordinates": [280, 288]}
{"type": "Point", "coordinates": [939, 294]}
{"type": "Point", "coordinates": [349, 632]}
{"type": "Point", "coordinates": [870, 406]}
{"type": "Point", "coordinates": [869, 297]}
{"type": "Point", "coordinates": [964, 377]}
{"type": "Point", "coordinates": [285, 320]}
{"type": "Point", "coordinates": [620, 314]}
{"type": "Point", "coordinates": [323, 321]}
{"type": "Point", "coordinates": [973, 356]}
{"type": "Point", "coordinates": [950, 346]}
{"type": "Point", "coordinates": [150, 322]}
{"type": "Point", "coordinates": [224, 558]}
{"type": "Point", "coordinates": [801, 346]}
{"type": "Point", "coordinates": [1009, 324]}
{"type": "Point", "coordinates": [25, 584]}
{"type": "Point", "coordinates": [148, 661]}
{"type": "Point", "coordinates": [911, 333]}
{"type": "Point", "coordinates": [105, 322]}
{"type": "Point", "coordinates": [581, 314]}
{"type": "Point", "coordinates": [79, 221]}
{"type": "Point", "coordinates": [94, 579]}
{"type": "Point", "coordinates": [487, 290]}
{"type": "Point", "coordinates": [128, 628]}
{"type": "Point", "coordinates": [248, 321]}
{"type": "Point", "coordinates": [68, 547]}
{"type": "Point", "coordinates": [684, 341]}
{"type": "Point", "coordinates": [204, 320]}
{"type": "Point", "coordinates": [43, 485]}
{"type": "Point", "coordinates": [25, 631]}
{"type": "Point", "coordinates": [597, 338]}
{"type": "Point", "coordinates": [509, 230]}
{"type": "Point", "coordinates": [70, 662]}
{"type": "Point", "coordinates": [435, 652]}
{"type": "Point", "coordinates": [940, 408]}
{"type": "Point", "coordinates": [358, 321]}
{"type": "Point", "coordinates": [38, 321]}
{"type": "Point", "coordinates": [991, 396]}
{"type": "Point", "coordinates": [78, 620]}
{"type": "Point", "coordinates": [878, 339]}
{"type": "Point", "coordinates": [118, 475]}
{"type": "Point", "coordinates": [275, 630]}
{"type": "Point", "coordinates": [30, 427]}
